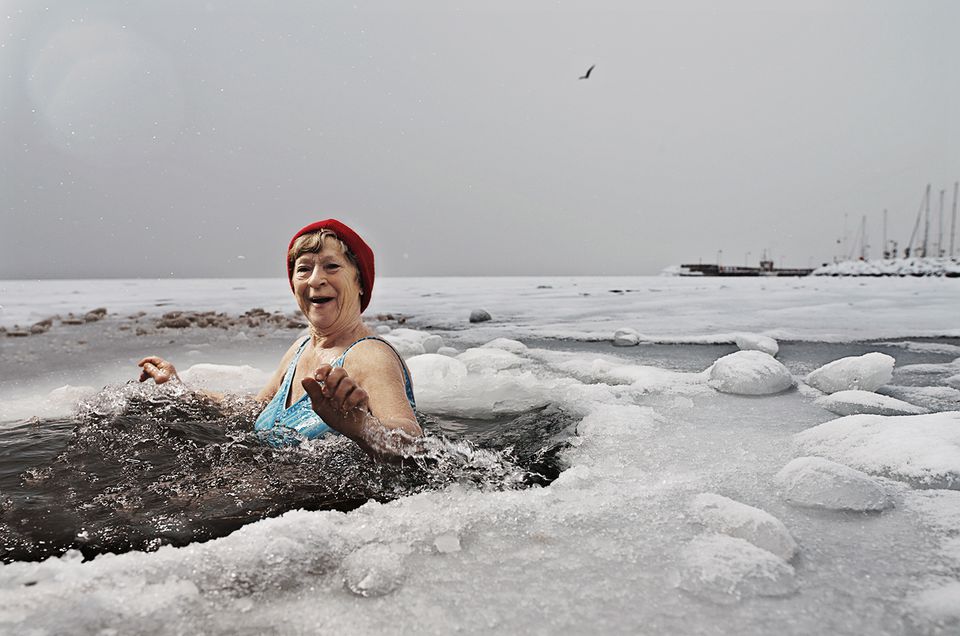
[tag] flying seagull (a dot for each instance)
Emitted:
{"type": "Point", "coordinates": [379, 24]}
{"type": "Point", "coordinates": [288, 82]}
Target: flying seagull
{"type": "Point", "coordinates": [587, 74]}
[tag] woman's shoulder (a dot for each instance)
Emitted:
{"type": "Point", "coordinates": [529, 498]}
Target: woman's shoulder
{"type": "Point", "coordinates": [370, 352]}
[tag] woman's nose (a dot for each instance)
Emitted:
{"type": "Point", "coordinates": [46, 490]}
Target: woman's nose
{"type": "Point", "coordinates": [317, 277]}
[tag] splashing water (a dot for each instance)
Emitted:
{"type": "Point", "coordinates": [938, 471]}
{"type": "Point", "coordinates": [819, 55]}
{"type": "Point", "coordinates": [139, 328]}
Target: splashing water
{"type": "Point", "coordinates": [143, 466]}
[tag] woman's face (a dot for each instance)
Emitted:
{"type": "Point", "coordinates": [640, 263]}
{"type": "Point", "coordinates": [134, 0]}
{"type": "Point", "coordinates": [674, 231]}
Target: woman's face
{"type": "Point", "coordinates": [326, 287]}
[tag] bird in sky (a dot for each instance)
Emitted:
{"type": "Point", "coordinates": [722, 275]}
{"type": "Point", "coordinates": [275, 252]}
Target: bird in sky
{"type": "Point", "coordinates": [587, 74]}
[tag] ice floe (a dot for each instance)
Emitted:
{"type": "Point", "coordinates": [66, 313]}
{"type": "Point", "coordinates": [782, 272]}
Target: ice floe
{"type": "Point", "coordinates": [921, 449]}
{"type": "Point", "coordinates": [749, 373]}
{"type": "Point", "coordinates": [867, 372]}
{"type": "Point", "coordinates": [726, 516]}
{"type": "Point", "coordinates": [626, 337]}
{"type": "Point", "coordinates": [815, 482]}
{"type": "Point", "coordinates": [853, 402]}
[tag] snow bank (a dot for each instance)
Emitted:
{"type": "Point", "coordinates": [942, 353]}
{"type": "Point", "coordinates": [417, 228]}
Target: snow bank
{"type": "Point", "coordinates": [853, 402]}
{"type": "Point", "coordinates": [921, 449]}
{"type": "Point", "coordinates": [815, 482]}
{"type": "Point", "coordinates": [726, 516]}
{"type": "Point", "coordinates": [749, 373]}
{"type": "Point", "coordinates": [867, 372]}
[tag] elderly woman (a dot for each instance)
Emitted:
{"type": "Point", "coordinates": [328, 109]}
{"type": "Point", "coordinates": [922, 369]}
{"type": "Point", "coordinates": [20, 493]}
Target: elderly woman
{"type": "Point", "coordinates": [341, 378]}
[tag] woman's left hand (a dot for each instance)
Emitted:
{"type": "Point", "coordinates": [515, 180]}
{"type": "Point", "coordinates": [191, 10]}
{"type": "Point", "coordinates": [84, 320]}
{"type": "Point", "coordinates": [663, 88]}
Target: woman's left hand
{"type": "Point", "coordinates": [338, 400]}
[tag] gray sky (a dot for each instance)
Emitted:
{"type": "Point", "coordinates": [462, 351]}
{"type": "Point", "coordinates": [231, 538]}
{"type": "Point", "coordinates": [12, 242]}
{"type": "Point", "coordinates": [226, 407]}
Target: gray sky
{"type": "Point", "coordinates": [193, 138]}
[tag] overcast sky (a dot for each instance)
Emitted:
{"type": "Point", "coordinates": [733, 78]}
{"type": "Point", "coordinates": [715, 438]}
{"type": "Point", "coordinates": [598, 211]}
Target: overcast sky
{"type": "Point", "coordinates": [192, 138]}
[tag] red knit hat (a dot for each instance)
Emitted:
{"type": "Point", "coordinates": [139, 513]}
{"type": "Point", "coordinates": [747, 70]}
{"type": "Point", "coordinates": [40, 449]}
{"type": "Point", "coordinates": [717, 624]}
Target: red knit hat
{"type": "Point", "coordinates": [352, 240]}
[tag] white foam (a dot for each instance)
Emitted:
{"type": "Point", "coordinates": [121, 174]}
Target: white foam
{"type": "Point", "coordinates": [225, 378]}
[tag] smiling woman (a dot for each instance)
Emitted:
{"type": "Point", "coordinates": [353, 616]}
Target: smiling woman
{"type": "Point", "coordinates": [341, 378]}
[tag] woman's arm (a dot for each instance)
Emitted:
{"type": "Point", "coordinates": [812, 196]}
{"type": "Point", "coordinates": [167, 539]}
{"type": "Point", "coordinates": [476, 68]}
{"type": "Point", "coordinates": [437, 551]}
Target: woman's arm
{"type": "Point", "coordinates": [367, 401]}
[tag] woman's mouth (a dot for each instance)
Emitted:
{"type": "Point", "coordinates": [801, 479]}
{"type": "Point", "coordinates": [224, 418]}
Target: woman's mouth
{"type": "Point", "coordinates": [321, 301]}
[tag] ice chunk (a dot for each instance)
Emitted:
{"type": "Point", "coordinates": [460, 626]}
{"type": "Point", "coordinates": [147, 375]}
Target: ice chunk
{"type": "Point", "coordinates": [756, 342]}
{"type": "Point", "coordinates": [374, 569]}
{"type": "Point", "coordinates": [934, 398]}
{"type": "Point", "coordinates": [479, 360]}
{"type": "Point", "coordinates": [735, 519]}
{"type": "Point", "coordinates": [815, 482]}
{"type": "Point", "coordinates": [225, 377]}
{"type": "Point", "coordinates": [921, 449]}
{"type": "Point", "coordinates": [444, 385]}
{"type": "Point", "coordinates": [432, 344]}
{"type": "Point", "coordinates": [435, 371]}
{"type": "Point", "coordinates": [406, 347]}
{"type": "Point", "coordinates": [867, 372]}
{"type": "Point", "coordinates": [726, 569]}
{"type": "Point", "coordinates": [749, 373]}
{"type": "Point", "coordinates": [448, 351]}
{"type": "Point", "coordinates": [447, 542]}
{"type": "Point", "coordinates": [853, 401]}
{"type": "Point", "coordinates": [625, 337]}
{"type": "Point", "coordinates": [513, 346]}
{"type": "Point", "coordinates": [953, 381]}
{"type": "Point", "coordinates": [382, 329]}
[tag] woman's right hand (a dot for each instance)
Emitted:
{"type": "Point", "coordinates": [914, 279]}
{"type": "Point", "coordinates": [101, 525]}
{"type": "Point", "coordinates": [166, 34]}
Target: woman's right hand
{"type": "Point", "coordinates": [157, 368]}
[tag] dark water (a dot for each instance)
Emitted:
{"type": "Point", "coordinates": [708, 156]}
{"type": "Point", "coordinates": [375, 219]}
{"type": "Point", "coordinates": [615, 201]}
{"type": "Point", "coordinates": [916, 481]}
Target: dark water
{"type": "Point", "coordinates": [142, 466]}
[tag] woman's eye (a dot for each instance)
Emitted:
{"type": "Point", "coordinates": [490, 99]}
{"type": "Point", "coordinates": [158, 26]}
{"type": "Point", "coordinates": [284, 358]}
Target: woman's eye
{"type": "Point", "coordinates": [331, 267]}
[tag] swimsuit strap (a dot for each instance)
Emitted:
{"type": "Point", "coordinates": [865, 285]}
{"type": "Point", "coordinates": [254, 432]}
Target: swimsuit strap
{"type": "Point", "coordinates": [407, 380]}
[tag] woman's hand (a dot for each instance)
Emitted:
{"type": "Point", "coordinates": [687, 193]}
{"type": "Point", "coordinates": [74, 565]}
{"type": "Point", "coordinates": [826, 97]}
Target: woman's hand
{"type": "Point", "coordinates": [345, 407]}
{"type": "Point", "coordinates": [157, 368]}
{"type": "Point", "coordinates": [337, 399]}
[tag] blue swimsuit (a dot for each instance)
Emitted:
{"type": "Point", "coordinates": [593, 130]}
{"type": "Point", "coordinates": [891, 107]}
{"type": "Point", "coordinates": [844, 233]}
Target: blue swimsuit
{"type": "Point", "coordinates": [286, 426]}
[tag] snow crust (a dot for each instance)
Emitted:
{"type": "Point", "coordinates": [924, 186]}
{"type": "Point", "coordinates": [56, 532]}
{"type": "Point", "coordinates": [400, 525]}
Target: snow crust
{"type": "Point", "coordinates": [815, 482]}
{"type": "Point", "coordinates": [867, 372]}
{"type": "Point", "coordinates": [853, 402]}
{"type": "Point", "coordinates": [750, 373]}
{"type": "Point", "coordinates": [920, 449]}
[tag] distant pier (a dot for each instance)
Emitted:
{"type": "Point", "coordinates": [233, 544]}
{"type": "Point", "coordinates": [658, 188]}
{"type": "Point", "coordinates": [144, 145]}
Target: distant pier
{"type": "Point", "coordinates": [766, 269]}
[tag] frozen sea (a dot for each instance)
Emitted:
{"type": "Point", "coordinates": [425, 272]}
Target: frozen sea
{"type": "Point", "coordinates": [700, 493]}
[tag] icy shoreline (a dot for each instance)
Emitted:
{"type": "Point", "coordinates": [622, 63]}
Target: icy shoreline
{"type": "Point", "coordinates": [692, 502]}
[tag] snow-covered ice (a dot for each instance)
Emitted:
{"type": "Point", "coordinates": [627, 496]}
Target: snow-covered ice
{"type": "Point", "coordinates": [853, 402]}
{"type": "Point", "coordinates": [867, 373]}
{"type": "Point", "coordinates": [750, 373]}
{"type": "Point", "coordinates": [820, 483]}
{"type": "Point", "coordinates": [920, 449]}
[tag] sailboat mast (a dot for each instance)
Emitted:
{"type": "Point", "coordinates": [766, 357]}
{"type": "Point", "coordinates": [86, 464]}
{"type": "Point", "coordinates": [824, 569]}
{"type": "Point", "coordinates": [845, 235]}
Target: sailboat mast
{"type": "Point", "coordinates": [953, 223]}
{"type": "Point", "coordinates": [926, 222]}
{"type": "Point", "coordinates": [940, 226]}
{"type": "Point", "coordinates": [884, 249]}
